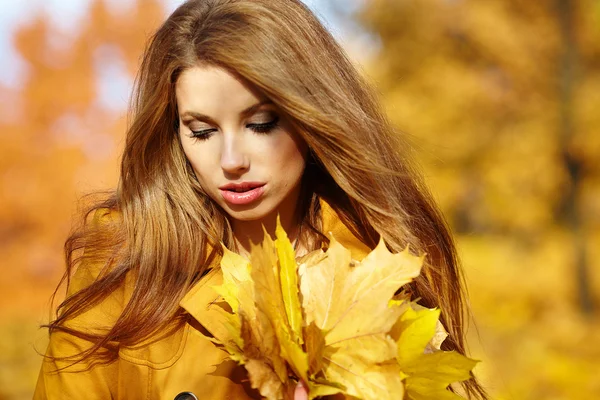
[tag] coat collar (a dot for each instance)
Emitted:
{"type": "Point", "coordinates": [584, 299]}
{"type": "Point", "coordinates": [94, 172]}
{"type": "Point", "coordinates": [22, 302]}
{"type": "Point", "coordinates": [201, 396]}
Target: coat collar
{"type": "Point", "coordinates": [199, 301]}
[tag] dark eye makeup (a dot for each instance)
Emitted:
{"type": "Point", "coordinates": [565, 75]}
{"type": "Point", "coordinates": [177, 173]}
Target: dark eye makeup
{"type": "Point", "coordinates": [262, 128]}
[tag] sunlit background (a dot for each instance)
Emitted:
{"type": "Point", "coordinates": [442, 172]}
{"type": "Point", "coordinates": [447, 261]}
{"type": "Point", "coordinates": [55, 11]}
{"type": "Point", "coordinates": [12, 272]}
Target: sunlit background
{"type": "Point", "coordinates": [501, 99]}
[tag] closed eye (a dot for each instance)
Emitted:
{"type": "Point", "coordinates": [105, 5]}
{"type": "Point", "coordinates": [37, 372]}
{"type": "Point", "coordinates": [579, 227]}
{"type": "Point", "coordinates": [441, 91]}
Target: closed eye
{"type": "Point", "coordinates": [264, 127]}
{"type": "Point", "coordinates": [258, 128]}
{"type": "Point", "coordinates": [203, 134]}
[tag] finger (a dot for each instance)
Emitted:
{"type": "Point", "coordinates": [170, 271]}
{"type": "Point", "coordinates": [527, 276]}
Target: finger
{"type": "Point", "coordinates": [300, 393]}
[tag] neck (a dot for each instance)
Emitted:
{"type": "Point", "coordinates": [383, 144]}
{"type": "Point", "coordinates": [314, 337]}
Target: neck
{"type": "Point", "coordinates": [246, 233]}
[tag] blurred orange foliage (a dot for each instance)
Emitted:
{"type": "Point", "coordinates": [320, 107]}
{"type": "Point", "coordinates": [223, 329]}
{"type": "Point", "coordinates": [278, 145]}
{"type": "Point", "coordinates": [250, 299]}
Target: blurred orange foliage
{"type": "Point", "coordinates": [501, 100]}
{"type": "Point", "coordinates": [57, 143]}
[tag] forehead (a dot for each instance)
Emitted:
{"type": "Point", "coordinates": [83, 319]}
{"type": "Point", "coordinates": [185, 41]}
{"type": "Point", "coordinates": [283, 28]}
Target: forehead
{"type": "Point", "coordinates": [210, 89]}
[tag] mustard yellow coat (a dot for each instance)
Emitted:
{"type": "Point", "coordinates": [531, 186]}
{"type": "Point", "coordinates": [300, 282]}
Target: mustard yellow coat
{"type": "Point", "coordinates": [185, 361]}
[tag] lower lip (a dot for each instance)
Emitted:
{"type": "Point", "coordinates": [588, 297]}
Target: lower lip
{"type": "Point", "coordinates": [242, 198]}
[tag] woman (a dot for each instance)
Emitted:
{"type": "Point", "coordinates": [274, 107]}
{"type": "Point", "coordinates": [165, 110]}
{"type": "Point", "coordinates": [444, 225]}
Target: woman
{"type": "Point", "coordinates": [243, 110]}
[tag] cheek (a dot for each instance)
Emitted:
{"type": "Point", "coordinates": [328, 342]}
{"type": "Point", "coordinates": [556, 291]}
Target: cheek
{"type": "Point", "coordinates": [288, 156]}
{"type": "Point", "coordinates": [199, 158]}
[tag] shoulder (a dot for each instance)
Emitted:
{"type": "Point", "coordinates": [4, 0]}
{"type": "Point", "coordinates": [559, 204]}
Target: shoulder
{"type": "Point", "coordinates": [334, 226]}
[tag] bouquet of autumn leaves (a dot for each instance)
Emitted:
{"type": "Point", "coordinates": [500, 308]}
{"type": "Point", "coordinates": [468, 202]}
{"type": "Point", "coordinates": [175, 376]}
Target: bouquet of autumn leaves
{"type": "Point", "coordinates": [335, 324]}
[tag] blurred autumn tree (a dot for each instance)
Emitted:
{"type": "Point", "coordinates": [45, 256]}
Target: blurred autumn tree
{"type": "Point", "coordinates": [57, 142]}
{"type": "Point", "coordinates": [501, 99]}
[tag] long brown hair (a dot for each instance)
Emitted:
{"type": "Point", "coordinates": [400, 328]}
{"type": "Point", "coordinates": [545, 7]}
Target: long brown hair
{"type": "Point", "coordinates": [166, 224]}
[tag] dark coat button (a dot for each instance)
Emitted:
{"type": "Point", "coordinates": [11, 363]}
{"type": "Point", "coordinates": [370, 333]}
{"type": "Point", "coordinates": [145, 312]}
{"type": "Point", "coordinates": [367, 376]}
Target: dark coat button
{"type": "Point", "coordinates": [186, 396]}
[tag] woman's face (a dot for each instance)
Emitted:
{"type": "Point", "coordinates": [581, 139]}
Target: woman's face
{"type": "Point", "coordinates": [243, 152]}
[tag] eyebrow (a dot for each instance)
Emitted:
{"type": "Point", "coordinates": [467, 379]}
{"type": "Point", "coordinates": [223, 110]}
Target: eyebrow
{"type": "Point", "coordinates": [246, 112]}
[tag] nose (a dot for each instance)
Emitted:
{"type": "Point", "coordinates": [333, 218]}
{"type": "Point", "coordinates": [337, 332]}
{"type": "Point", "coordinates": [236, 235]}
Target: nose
{"type": "Point", "coordinates": [233, 159]}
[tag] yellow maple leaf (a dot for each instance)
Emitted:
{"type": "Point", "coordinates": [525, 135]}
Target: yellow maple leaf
{"type": "Point", "coordinates": [254, 341]}
{"type": "Point", "coordinates": [429, 371]}
{"type": "Point", "coordinates": [334, 323]}
{"type": "Point", "coordinates": [266, 368]}
{"type": "Point", "coordinates": [288, 272]}
{"type": "Point", "coordinates": [349, 302]}
{"type": "Point", "coordinates": [272, 276]}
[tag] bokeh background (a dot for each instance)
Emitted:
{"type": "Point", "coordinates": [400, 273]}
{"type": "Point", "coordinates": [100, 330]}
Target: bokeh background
{"type": "Point", "coordinates": [501, 99]}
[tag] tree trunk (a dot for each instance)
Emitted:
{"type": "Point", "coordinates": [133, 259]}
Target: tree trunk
{"type": "Point", "coordinates": [570, 211]}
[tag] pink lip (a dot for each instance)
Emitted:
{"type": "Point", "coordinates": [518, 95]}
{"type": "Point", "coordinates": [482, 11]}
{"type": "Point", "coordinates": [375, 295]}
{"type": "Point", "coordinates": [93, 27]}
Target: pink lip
{"type": "Point", "coordinates": [249, 192]}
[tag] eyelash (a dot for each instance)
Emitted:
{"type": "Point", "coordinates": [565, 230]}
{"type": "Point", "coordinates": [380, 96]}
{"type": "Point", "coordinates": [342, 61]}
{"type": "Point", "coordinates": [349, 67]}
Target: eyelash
{"type": "Point", "coordinates": [265, 128]}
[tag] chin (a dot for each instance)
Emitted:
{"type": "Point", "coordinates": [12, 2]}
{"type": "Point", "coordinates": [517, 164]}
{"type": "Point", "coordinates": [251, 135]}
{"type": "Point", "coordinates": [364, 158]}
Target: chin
{"type": "Point", "coordinates": [248, 213]}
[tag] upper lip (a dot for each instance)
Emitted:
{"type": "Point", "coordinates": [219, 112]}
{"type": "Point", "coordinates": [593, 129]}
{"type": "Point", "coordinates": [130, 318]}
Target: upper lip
{"type": "Point", "coordinates": [241, 186]}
